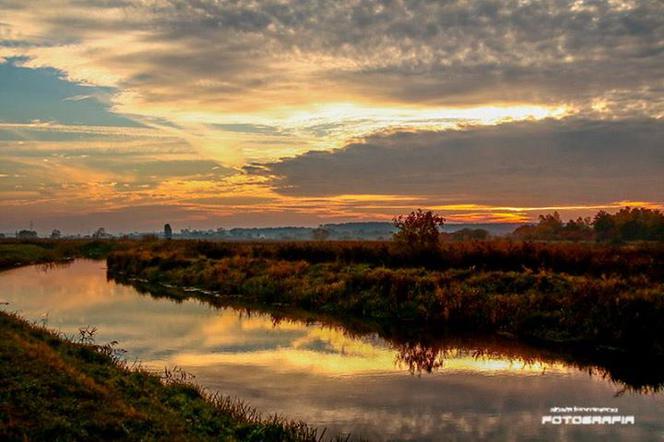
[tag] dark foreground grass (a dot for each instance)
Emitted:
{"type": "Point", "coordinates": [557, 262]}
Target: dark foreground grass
{"type": "Point", "coordinates": [52, 388]}
{"type": "Point", "coordinates": [600, 311]}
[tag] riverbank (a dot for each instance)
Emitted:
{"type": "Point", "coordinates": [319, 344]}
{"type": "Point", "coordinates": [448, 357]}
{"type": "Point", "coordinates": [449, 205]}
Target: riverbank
{"type": "Point", "coordinates": [55, 388]}
{"type": "Point", "coordinates": [596, 305]}
{"type": "Point", "coordinates": [59, 388]}
{"type": "Point", "coordinates": [304, 366]}
{"type": "Point", "coordinates": [16, 253]}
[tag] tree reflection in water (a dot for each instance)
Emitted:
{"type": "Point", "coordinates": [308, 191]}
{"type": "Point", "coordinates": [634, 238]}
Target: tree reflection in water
{"type": "Point", "coordinates": [420, 352]}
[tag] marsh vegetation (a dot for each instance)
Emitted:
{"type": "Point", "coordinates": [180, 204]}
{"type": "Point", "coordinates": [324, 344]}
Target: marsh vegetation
{"type": "Point", "coordinates": [601, 297]}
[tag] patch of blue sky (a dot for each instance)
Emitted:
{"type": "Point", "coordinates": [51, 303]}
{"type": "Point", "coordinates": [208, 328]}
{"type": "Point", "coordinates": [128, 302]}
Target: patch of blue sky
{"type": "Point", "coordinates": [43, 94]}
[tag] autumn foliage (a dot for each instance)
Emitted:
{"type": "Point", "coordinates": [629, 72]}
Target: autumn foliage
{"type": "Point", "coordinates": [418, 231]}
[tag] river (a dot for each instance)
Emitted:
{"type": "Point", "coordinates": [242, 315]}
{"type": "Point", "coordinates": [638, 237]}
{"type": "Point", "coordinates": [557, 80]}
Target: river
{"type": "Point", "coordinates": [328, 377]}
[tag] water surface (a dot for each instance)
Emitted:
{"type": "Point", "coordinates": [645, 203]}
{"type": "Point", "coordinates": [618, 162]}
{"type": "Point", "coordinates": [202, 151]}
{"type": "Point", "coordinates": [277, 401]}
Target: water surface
{"type": "Point", "coordinates": [331, 378]}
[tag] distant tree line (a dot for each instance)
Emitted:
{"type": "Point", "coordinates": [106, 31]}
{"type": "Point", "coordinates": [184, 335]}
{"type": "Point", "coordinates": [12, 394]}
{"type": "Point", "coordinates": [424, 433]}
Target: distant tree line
{"type": "Point", "coordinates": [26, 234]}
{"type": "Point", "coordinates": [466, 234]}
{"type": "Point", "coordinates": [628, 224]}
{"type": "Point", "coordinates": [419, 233]}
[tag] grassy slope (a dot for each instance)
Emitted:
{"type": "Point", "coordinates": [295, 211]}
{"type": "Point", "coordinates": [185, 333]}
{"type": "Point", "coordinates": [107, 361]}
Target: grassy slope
{"type": "Point", "coordinates": [55, 389]}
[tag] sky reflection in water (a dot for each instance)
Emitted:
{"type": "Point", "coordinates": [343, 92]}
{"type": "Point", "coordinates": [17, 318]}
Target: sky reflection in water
{"type": "Point", "coordinates": [323, 375]}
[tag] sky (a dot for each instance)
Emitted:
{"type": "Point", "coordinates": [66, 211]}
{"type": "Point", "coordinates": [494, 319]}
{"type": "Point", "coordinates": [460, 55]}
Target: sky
{"type": "Point", "coordinates": [129, 114]}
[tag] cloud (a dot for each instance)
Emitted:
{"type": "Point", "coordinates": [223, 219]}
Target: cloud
{"type": "Point", "coordinates": [93, 175]}
{"type": "Point", "coordinates": [526, 163]}
{"type": "Point", "coordinates": [193, 102]}
{"type": "Point", "coordinates": [240, 56]}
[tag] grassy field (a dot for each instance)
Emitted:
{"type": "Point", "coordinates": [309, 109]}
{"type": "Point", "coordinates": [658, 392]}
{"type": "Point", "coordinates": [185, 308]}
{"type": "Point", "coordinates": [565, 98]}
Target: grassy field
{"type": "Point", "coordinates": [603, 298]}
{"type": "Point", "coordinates": [56, 389]}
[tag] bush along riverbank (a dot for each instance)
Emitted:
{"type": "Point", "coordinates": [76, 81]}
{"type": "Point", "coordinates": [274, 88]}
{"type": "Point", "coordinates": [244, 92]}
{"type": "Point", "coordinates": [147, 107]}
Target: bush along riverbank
{"type": "Point", "coordinates": [609, 312]}
{"type": "Point", "coordinates": [55, 388]}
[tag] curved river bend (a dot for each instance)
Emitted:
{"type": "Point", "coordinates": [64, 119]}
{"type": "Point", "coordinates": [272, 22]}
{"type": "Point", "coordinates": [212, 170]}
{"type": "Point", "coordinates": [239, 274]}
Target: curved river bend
{"type": "Point", "coordinates": [328, 377]}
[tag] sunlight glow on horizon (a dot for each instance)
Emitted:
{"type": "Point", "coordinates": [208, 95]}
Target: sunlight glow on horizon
{"type": "Point", "coordinates": [329, 126]}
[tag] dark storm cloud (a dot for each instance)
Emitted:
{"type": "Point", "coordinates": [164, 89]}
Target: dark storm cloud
{"type": "Point", "coordinates": [528, 163]}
